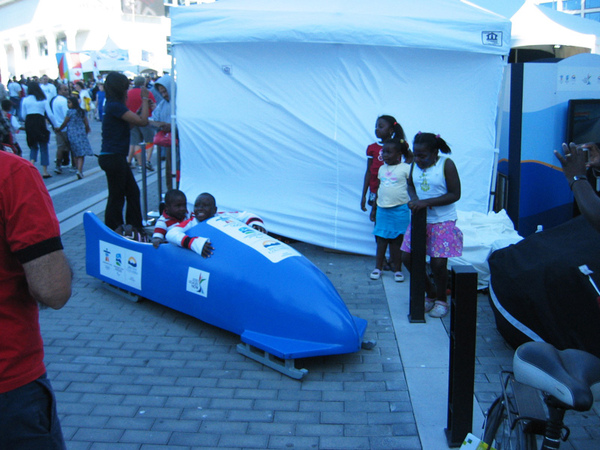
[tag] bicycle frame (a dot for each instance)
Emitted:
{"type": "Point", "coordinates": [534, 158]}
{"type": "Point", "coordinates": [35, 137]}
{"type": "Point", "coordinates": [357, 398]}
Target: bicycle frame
{"type": "Point", "coordinates": [515, 417]}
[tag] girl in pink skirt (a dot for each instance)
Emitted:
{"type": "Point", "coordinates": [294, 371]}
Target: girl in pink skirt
{"type": "Point", "coordinates": [434, 184]}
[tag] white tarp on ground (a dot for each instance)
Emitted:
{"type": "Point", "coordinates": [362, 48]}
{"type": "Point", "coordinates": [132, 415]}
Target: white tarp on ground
{"type": "Point", "coordinates": [483, 235]}
{"type": "Point", "coordinates": [534, 25]}
{"type": "Point", "coordinates": [277, 101]}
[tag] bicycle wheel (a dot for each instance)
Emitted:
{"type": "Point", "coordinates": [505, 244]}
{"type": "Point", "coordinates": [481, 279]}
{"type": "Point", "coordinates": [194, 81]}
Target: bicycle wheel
{"type": "Point", "coordinates": [498, 434]}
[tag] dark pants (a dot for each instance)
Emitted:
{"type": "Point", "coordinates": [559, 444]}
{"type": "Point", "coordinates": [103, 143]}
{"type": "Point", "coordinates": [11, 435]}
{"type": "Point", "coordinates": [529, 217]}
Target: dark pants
{"type": "Point", "coordinates": [28, 419]}
{"type": "Point", "coordinates": [121, 186]}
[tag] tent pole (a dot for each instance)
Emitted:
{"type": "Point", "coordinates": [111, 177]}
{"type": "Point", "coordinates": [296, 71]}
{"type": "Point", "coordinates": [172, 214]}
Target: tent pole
{"type": "Point", "coordinates": [174, 146]}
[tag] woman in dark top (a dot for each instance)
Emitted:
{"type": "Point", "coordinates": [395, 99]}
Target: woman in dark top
{"type": "Point", "coordinates": [34, 109]}
{"type": "Point", "coordinates": [115, 146]}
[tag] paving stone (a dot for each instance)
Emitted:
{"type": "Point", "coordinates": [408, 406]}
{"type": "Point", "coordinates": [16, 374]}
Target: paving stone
{"type": "Point", "coordinates": [149, 437]}
{"type": "Point", "coordinates": [294, 442]}
{"type": "Point", "coordinates": [141, 376]}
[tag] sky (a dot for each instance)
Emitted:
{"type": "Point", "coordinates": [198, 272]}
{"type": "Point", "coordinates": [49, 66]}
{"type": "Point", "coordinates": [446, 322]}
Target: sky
{"type": "Point", "coordinates": [505, 8]}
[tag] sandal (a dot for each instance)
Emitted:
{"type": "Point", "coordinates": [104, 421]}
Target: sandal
{"type": "Point", "coordinates": [375, 275]}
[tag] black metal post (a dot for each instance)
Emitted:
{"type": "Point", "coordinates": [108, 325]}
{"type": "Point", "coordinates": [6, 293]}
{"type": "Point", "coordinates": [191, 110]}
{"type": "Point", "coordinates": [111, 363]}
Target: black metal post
{"type": "Point", "coordinates": [159, 172]}
{"type": "Point", "coordinates": [463, 326]}
{"type": "Point", "coordinates": [417, 267]}
{"type": "Point", "coordinates": [144, 184]}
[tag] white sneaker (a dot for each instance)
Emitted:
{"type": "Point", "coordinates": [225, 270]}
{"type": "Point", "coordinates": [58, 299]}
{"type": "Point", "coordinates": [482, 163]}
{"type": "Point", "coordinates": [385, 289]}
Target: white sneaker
{"type": "Point", "coordinates": [398, 277]}
{"type": "Point", "coordinates": [440, 309]}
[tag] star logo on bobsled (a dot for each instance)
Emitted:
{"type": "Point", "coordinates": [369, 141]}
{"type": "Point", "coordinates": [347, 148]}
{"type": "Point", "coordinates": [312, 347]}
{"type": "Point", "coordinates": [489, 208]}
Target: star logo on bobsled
{"type": "Point", "coordinates": [197, 282]}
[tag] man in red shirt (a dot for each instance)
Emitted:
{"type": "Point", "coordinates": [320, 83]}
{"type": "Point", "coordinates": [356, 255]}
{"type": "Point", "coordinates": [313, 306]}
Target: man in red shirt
{"type": "Point", "coordinates": [33, 269]}
{"type": "Point", "coordinates": [140, 136]}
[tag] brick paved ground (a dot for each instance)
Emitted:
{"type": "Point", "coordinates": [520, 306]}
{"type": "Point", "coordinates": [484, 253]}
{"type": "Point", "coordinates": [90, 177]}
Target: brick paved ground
{"type": "Point", "coordinates": [141, 376]}
{"type": "Point", "coordinates": [138, 375]}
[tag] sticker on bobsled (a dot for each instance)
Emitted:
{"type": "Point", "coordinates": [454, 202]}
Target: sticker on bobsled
{"type": "Point", "coordinates": [197, 282]}
{"type": "Point", "coordinates": [121, 264]}
{"type": "Point", "coordinates": [270, 248]}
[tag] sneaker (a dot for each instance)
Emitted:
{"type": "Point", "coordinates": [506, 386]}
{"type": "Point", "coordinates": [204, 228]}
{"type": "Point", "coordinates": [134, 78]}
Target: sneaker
{"type": "Point", "coordinates": [398, 277]}
{"type": "Point", "coordinates": [149, 166]}
{"type": "Point", "coordinates": [139, 168]}
{"type": "Point", "coordinates": [429, 303]}
{"type": "Point", "coordinates": [440, 309]}
{"type": "Point", "coordinates": [58, 170]}
{"type": "Point", "coordinates": [375, 275]}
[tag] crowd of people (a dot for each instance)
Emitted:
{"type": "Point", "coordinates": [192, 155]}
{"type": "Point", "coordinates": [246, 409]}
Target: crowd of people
{"type": "Point", "coordinates": [37, 104]}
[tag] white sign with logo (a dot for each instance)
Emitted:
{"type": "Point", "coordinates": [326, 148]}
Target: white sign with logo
{"type": "Point", "coordinates": [121, 264]}
{"type": "Point", "coordinates": [197, 282]}
{"type": "Point", "coordinates": [580, 79]}
{"type": "Point", "coordinates": [270, 248]}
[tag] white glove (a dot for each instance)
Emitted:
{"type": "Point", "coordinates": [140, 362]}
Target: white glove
{"type": "Point", "coordinates": [198, 245]}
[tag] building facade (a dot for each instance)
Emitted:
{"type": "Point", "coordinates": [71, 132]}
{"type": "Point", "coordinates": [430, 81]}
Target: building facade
{"type": "Point", "coordinates": [32, 32]}
{"type": "Point", "coordinates": [590, 9]}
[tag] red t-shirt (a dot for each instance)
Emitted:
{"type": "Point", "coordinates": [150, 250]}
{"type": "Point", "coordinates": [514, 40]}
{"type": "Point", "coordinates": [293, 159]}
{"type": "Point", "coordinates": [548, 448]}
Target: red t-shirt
{"type": "Point", "coordinates": [134, 99]}
{"type": "Point", "coordinates": [374, 152]}
{"type": "Point", "coordinates": [28, 229]}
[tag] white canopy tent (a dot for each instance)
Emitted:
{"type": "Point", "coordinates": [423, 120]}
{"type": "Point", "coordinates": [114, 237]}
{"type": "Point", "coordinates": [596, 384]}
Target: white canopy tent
{"type": "Point", "coordinates": [536, 26]}
{"type": "Point", "coordinates": [277, 101]}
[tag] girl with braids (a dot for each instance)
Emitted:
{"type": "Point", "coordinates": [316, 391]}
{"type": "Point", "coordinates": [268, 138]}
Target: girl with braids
{"type": "Point", "coordinates": [386, 128]}
{"type": "Point", "coordinates": [434, 184]}
{"type": "Point", "coordinates": [390, 211]}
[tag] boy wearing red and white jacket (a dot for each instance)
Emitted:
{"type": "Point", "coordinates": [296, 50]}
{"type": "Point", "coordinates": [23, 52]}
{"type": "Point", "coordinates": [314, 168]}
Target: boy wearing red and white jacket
{"type": "Point", "coordinates": [175, 212]}
{"type": "Point", "coordinates": [205, 207]}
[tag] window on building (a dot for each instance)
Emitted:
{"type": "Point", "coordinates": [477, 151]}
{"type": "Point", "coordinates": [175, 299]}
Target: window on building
{"type": "Point", "coordinates": [570, 5]}
{"type": "Point", "coordinates": [61, 43]}
{"type": "Point", "coordinates": [548, 4]}
{"type": "Point", "coordinates": [43, 46]}
{"type": "Point", "coordinates": [25, 51]}
{"type": "Point", "coordinates": [592, 4]}
{"type": "Point", "coordinates": [593, 16]}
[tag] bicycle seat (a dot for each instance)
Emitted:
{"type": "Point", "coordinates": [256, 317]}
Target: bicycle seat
{"type": "Point", "coordinates": [567, 375]}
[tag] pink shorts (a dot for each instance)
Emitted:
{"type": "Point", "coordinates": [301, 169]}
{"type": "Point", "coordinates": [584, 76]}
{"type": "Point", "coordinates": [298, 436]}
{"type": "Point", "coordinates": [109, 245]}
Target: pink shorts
{"type": "Point", "coordinates": [443, 240]}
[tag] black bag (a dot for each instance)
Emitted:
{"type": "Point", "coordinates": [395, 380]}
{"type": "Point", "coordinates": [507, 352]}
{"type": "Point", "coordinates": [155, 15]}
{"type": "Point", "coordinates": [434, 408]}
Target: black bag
{"type": "Point", "coordinates": [538, 291]}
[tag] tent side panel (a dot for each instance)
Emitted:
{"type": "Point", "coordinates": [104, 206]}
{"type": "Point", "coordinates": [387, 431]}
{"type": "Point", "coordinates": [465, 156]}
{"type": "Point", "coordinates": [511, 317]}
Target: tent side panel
{"type": "Point", "coordinates": [282, 129]}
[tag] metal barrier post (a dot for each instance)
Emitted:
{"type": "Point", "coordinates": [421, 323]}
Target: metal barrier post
{"type": "Point", "coordinates": [144, 185]}
{"type": "Point", "coordinates": [418, 273]}
{"type": "Point", "coordinates": [463, 325]}
{"type": "Point", "coordinates": [159, 172]}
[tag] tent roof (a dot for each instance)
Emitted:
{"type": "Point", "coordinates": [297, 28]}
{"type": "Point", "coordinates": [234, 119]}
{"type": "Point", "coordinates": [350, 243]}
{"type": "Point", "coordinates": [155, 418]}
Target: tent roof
{"type": "Point", "coordinates": [435, 24]}
{"type": "Point", "coordinates": [534, 25]}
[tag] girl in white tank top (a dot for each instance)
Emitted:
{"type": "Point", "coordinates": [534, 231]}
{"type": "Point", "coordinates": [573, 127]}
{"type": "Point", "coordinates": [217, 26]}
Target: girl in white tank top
{"type": "Point", "coordinates": [434, 185]}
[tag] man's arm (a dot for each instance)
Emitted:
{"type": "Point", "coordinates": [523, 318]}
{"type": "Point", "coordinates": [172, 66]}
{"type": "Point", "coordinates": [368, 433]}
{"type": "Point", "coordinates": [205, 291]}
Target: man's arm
{"type": "Point", "coordinates": [49, 279]}
{"type": "Point", "coordinates": [573, 162]}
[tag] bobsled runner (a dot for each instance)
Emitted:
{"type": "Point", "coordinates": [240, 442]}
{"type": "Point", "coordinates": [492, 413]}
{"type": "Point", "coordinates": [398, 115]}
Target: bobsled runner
{"type": "Point", "coordinates": [282, 306]}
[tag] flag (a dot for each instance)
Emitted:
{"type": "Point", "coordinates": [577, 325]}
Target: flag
{"type": "Point", "coordinates": [75, 68]}
{"type": "Point", "coordinates": [63, 67]}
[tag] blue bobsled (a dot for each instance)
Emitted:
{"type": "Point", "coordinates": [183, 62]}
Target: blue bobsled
{"type": "Point", "coordinates": [282, 306]}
